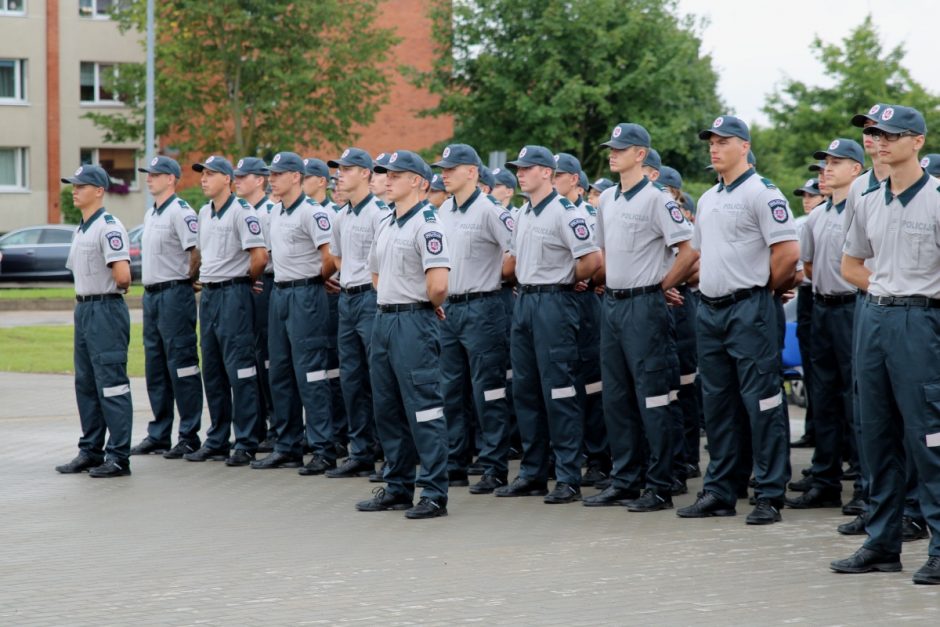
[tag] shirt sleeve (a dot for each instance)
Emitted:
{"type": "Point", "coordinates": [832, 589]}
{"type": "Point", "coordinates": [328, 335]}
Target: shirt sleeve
{"type": "Point", "coordinates": [373, 251]}
{"type": "Point", "coordinates": [250, 231]}
{"type": "Point", "coordinates": [575, 232]}
{"type": "Point", "coordinates": [669, 220]}
{"type": "Point", "coordinates": [516, 216]}
{"type": "Point", "coordinates": [432, 245]}
{"type": "Point", "coordinates": [335, 241]}
{"type": "Point", "coordinates": [320, 226]}
{"type": "Point", "coordinates": [113, 243]}
{"type": "Point", "coordinates": [774, 217]}
{"type": "Point", "coordinates": [500, 225]}
{"type": "Point", "coordinates": [857, 242]}
{"type": "Point", "coordinates": [807, 238]}
{"type": "Point", "coordinates": [186, 224]}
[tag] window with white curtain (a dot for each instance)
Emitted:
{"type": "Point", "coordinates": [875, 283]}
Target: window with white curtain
{"type": "Point", "coordinates": [13, 169]}
{"type": "Point", "coordinates": [12, 81]}
{"type": "Point", "coordinates": [96, 82]}
{"type": "Point", "coordinates": [100, 9]}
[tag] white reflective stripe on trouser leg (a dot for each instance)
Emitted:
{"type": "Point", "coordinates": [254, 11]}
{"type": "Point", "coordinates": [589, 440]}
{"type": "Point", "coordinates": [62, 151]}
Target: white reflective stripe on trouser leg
{"type": "Point", "coordinates": [558, 393]}
{"type": "Point", "coordinates": [673, 395]}
{"type": "Point", "coordinates": [189, 371]}
{"type": "Point", "coordinates": [657, 401]}
{"type": "Point", "coordinates": [116, 390]}
{"type": "Point", "coordinates": [687, 379]}
{"type": "Point", "coordinates": [316, 375]}
{"type": "Point", "coordinates": [509, 375]}
{"type": "Point", "coordinates": [267, 364]}
{"type": "Point", "coordinates": [246, 373]}
{"type": "Point", "coordinates": [332, 373]}
{"type": "Point", "coordinates": [429, 414]}
{"type": "Point", "coordinates": [769, 403]}
{"type": "Point", "coordinates": [594, 388]}
{"type": "Point", "coordinates": [492, 395]}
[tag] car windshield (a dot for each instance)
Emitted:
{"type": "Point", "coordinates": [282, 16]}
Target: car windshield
{"type": "Point", "coordinates": [26, 237]}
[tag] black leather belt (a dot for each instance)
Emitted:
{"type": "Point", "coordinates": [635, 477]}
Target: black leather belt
{"type": "Point", "coordinates": [159, 287]}
{"type": "Point", "coordinates": [634, 291]}
{"type": "Point", "coordinates": [314, 280]}
{"type": "Point", "coordinates": [545, 289]}
{"type": "Point", "coordinates": [405, 307]}
{"type": "Point", "coordinates": [904, 301]}
{"type": "Point", "coordinates": [834, 299]}
{"type": "Point", "coordinates": [357, 289]}
{"type": "Point", "coordinates": [214, 286]}
{"type": "Point", "coordinates": [726, 301]}
{"type": "Point", "coordinates": [466, 298]}
{"type": "Point", "coordinates": [97, 297]}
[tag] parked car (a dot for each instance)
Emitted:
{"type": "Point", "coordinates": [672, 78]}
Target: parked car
{"type": "Point", "coordinates": [133, 247]}
{"type": "Point", "coordinates": [36, 252]}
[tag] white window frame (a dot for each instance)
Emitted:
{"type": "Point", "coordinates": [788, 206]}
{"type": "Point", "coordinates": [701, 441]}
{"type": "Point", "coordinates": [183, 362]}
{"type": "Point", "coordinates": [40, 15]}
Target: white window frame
{"type": "Point", "coordinates": [95, 15]}
{"type": "Point", "coordinates": [96, 158]}
{"type": "Point", "coordinates": [97, 85]}
{"type": "Point", "coordinates": [21, 156]}
{"type": "Point", "coordinates": [8, 12]}
{"type": "Point", "coordinates": [21, 82]}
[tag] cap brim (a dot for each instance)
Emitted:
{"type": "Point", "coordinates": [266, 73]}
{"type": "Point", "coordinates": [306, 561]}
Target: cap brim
{"type": "Point", "coordinates": [618, 145]}
{"type": "Point", "coordinates": [69, 181]}
{"type": "Point", "coordinates": [713, 131]}
{"type": "Point", "coordinates": [338, 162]}
{"type": "Point", "coordinates": [522, 163]}
{"type": "Point", "coordinates": [443, 163]}
{"type": "Point", "coordinates": [888, 128]}
{"type": "Point", "coordinates": [860, 119]}
{"type": "Point", "coordinates": [147, 171]}
{"type": "Point", "coordinates": [274, 169]}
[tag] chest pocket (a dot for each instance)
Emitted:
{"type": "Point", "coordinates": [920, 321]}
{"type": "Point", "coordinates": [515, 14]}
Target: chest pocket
{"type": "Point", "coordinates": [835, 241]}
{"type": "Point", "coordinates": [404, 262]}
{"type": "Point", "coordinates": [622, 236]}
{"type": "Point", "coordinates": [915, 248]}
{"type": "Point", "coordinates": [731, 224]}
{"type": "Point", "coordinates": [90, 258]}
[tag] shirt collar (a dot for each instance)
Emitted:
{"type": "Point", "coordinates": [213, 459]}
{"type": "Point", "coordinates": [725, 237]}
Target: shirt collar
{"type": "Point", "coordinates": [290, 210]}
{"type": "Point", "coordinates": [909, 193]}
{"type": "Point", "coordinates": [411, 212]}
{"type": "Point", "coordinates": [838, 207]}
{"type": "Point", "coordinates": [228, 203]}
{"type": "Point", "coordinates": [261, 202]}
{"type": "Point", "coordinates": [365, 201]}
{"type": "Point", "coordinates": [633, 191]}
{"type": "Point", "coordinates": [537, 209]}
{"type": "Point", "coordinates": [158, 210]}
{"type": "Point", "coordinates": [83, 225]}
{"type": "Point", "coordinates": [463, 208]}
{"type": "Point", "coordinates": [737, 182]}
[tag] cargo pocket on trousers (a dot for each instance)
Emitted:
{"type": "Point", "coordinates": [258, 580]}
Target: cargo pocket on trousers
{"type": "Point", "coordinates": [244, 358]}
{"type": "Point", "coordinates": [111, 373]}
{"type": "Point", "coordinates": [771, 396]}
{"type": "Point", "coordinates": [185, 358]}
{"type": "Point", "coordinates": [657, 375]}
{"type": "Point", "coordinates": [565, 361]}
{"type": "Point", "coordinates": [493, 364]}
{"type": "Point", "coordinates": [932, 416]}
{"type": "Point", "coordinates": [427, 398]}
{"type": "Point", "coordinates": [314, 358]}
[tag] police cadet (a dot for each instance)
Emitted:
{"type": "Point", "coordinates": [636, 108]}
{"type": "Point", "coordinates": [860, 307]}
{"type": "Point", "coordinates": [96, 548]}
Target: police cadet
{"type": "Point", "coordinates": [638, 224]}
{"type": "Point", "coordinates": [409, 261]}
{"type": "Point", "coordinates": [552, 249]}
{"type": "Point", "coordinates": [486, 181]}
{"type": "Point", "coordinates": [170, 261]}
{"type": "Point", "coordinates": [437, 193]}
{"type": "Point", "coordinates": [652, 165]}
{"type": "Point", "coordinates": [234, 255]}
{"type": "Point", "coordinates": [747, 239]}
{"type": "Point", "coordinates": [474, 346]}
{"type": "Point", "coordinates": [504, 187]}
{"type": "Point", "coordinates": [298, 323]}
{"type": "Point", "coordinates": [316, 183]}
{"type": "Point", "coordinates": [100, 263]}
{"type": "Point", "coordinates": [821, 240]}
{"type": "Point", "coordinates": [567, 182]}
{"type": "Point", "coordinates": [896, 226]}
{"type": "Point", "coordinates": [597, 187]}
{"type": "Point", "coordinates": [251, 181]}
{"type": "Point", "coordinates": [354, 231]}
{"type": "Point", "coordinates": [377, 183]}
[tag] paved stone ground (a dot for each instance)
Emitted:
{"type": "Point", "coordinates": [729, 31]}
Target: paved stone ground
{"type": "Point", "coordinates": [180, 543]}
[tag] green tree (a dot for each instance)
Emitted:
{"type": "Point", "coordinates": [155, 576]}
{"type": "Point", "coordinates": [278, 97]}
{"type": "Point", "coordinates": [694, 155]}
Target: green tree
{"type": "Point", "coordinates": [562, 74]}
{"type": "Point", "coordinates": [805, 118]}
{"type": "Point", "coordinates": [70, 213]}
{"type": "Point", "coordinates": [251, 77]}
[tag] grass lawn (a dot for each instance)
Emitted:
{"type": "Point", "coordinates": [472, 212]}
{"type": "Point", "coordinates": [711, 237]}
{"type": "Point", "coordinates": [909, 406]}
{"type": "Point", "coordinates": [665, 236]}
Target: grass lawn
{"type": "Point", "coordinates": [48, 349]}
{"type": "Point", "coordinates": [32, 293]}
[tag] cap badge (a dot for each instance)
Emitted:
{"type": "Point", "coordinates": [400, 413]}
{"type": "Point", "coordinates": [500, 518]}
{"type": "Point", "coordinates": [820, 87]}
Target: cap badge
{"type": "Point", "coordinates": [277, 158]}
{"type": "Point", "coordinates": [874, 109]}
{"type": "Point", "coordinates": [617, 132]}
{"type": "Point", "coordinates": [718, 122]}
{"type": "Point", "coordinates": [446, 152]}
{"type": "Point", "coordinates": [345, 154]}
{"type": "Point", "coordinates": [810, 183]}
{"type": "Point", "coordinates": [210, 159]}
{"type": "Point", "coordinates": [497, 171]}
{"type": "Point", "coordinates": [522, 153]}
{"type": "Point", "coordinates": [78, 171]}
{"type": "Point", "coordinates": [887, 114]}
{"type": "Point", "coordinates": [241, 162]}
{"type": "Point", "coordinates": [924, 162]}
{"type": "Point", "coordinates": [305, 161]}
{"type": "Point", "coordinates": [834, 144]}
{"type": "Point", "coordinates": [556, 158]}
{"type": "Point", "coordinates": [154, 161]}
{"type": "Point", "coordinates": [393, 158]}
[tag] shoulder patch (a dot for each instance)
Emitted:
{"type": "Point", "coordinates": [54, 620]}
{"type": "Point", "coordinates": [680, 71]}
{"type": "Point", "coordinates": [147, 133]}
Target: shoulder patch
{"type": "Point", "coordinates": [109, 219]}
{"type": "Point", "coordinates": [566, 203]}
{"type": "Point", "coordinates": [579, 227]}
{"type": "Point", "coordinates": [778, 209]}
{"type": "Point", "coordinates": [507, 220]}
{"type": "Point", "coordinates": [322, 220]}
{"type": "Point", "coordinates": [254, 225]}
{"type": "Point", "coordinates": [434, 241]}
{"type": "Point", "coordinates": [768, 183]}
{"type": "Point", "coordinates": [115, 240]}
{"type": "Point", "coordinates": [430, 216]}
{"type": "Point", "coordinates": [676, 213]}
{"type": "Point", "coordinates": [192, 223]}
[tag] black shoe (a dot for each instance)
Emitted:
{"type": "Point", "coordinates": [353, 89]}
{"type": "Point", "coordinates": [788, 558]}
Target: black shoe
{"type": "Point", "coordinates": [351, 468]}
{"type": "Point", "coordinates": [457, 478]}
{"type": "Point", "coordinates": [854, 528]}
{"type": "Point", "coordinates": [428, 508]}
{"type": "Point", "coordinates": [804, 442]}
{"type": "Point", "coordinates": [707, 504]}
{"type": "Point", "coordinates": [603, 484]}
{"type": "Point", "coordinates": [522, 487]}
{"type": "Point", "coordinates": [765, 513]}
{"type": "Point", "coordinates": [692, 471]}
{"type": "Point", "coordinates": [109, 469]}
{"type": "Point", "coordinates": [317, 465]}
{"type": "Point", "coordinates": [803, 485]}
{"type": "Point", "coordinates": [856, 506]}
{"type": "Point", "coordinates": [563, 493]}
{"type": "Point", "coordinates": [815, 498]}
{"type": "Point", "coordinates": [383, 501]}
{"type": "Point", "coordinates": [475, 470]}
{"type": "Point", "coordinates": [678, 487]}
{"type": "Point", "coordinates": [183, 447]}
{"type": "Point", "coordinates": [912, 530]}
{"type": "Point", "coordinates": [240, 457]}
{"type": "Point", "coordinates": [866, 561]}
{"type": "Point", "coordinates": [278, 460]}
{"type": "Point", "coordinates": [379, 476]}
{"type": "Point", "coordinates": [341, 451]}
{"type": "Point", "coordinates": [611, 496]}
{"type": "Point", "coordinates": [149, 447]}
{"type": "Point", "coordinates": [592, 475]}
{"type": "Point", "coordinates": [266, 446]}
{"type": "Point", "coordinates": [929, 573]}
{"type": "Point", "coordinates": [806, 471]}
{"type": "Point", "coordinates": [487, 484]}
{"type": "Point", "coordinates": [650, 502]}
{"type": "Point", "coordinates": [82, 462]}
{"type": "Point", "coordinates": [205, 453]}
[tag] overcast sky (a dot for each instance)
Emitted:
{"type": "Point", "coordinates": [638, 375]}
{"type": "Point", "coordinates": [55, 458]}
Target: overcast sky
{"type": "Point", "coordinates": [757, 43]}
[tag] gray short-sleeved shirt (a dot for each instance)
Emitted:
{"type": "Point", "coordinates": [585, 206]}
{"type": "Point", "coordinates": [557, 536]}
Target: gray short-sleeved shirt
{"type": "Point", "coordinates": [170, 232]}
{"type": "Point", "coordinates": [548, 239]}
{"type": "Point", "coordinates": [403, 250]}
{"type": "Point", "coordinates": [821, 240]}
{"type": "Point", "coordinates": [637, 228]}
{"type": "Point", "coordinates": [99, 241]}
{"type": "Point", "coordinates": [354, 230]}
{"type": "Point", "coordinates": [297, 232]}
{"type": "Point", "coordinates": [264, 207]}
{"type": "Point", "coordinates": [479, 232]}
{"type": "Point", "coordinates": [735, 225]}
{"type": "Point", "coordinates": [225, 237]}
{"type": "Point", "coordinates": [901, 236]}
